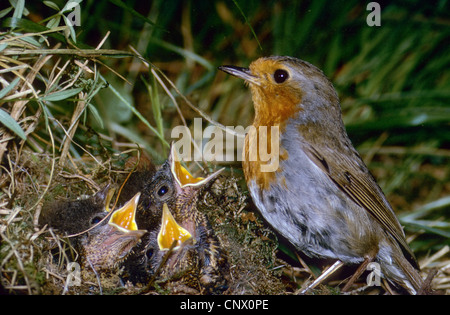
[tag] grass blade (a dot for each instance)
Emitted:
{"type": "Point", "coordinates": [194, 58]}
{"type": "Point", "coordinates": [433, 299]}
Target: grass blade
{"type": "Point", "coordinates": [11, 124]}
{"type": "Point", "coordinates": [9, 88]}
{"type": "Point", "coordinates": [248, 23]}
{"type": "Point", "coordinates": [61, 95]}
{"type": "Point", "coordinates": [122, 5]}
{"type": "Point", "coordinates": [18, 12]}
{"type": "Point", "coordinates": [139, 115]}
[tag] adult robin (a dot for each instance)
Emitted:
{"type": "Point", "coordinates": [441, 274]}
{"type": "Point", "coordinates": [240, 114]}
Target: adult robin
{"type": "Point", "coordinates": [173, 187]}
{"type": "Point", "coordinates": [321, 196]}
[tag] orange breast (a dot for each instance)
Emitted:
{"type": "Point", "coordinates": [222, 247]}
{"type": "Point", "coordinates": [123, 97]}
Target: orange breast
{"type": "Point", "coordinates": [254, 167]}
{"type": "Point", "coordinates": [274, 106]}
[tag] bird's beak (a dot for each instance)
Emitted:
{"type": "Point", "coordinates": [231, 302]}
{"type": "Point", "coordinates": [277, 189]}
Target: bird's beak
{"type": "Point", "coordinates": [170, 231]}
{"type": "Point", "coordinates": [124, 218]}
{"type": "Point", "coordinates": [242, 73]}
{"type": "Point", "coordinates": [183, 176]}
{"type": "Point", "coordinates": [108, 198]}
{"type": "Point", "coordinates": [104, 195]}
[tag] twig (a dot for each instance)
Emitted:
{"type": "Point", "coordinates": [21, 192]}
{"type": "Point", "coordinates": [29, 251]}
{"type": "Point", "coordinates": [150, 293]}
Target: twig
{"type": "Point", "coordinates": [96, 275]}
{"type": "Point", "coordinates": [85, 53]}
{"type": "Point", "coordinates": [79, 109]}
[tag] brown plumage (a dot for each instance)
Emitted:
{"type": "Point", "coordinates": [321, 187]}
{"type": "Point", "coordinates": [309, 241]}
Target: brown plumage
{"type": "Point", "coordinates": [196, 265]}
{"type": "Point", "coordinates": [102, 242]}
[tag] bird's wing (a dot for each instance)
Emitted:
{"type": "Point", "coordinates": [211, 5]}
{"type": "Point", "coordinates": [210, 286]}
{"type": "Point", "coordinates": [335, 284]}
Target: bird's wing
{"type": "Point", "coordinates": [351, 175]}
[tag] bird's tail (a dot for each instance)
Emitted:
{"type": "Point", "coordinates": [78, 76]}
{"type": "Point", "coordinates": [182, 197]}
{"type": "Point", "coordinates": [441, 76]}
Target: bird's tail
{"type": "Point", "coordinates": [398, 270]}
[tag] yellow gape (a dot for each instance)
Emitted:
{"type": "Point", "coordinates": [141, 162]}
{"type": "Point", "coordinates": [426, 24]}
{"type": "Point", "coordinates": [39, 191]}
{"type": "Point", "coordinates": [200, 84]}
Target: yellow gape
{"type": "Point", "coordinates": [170, 231]}
{"type": "Point", "coordinates": [124, 218]}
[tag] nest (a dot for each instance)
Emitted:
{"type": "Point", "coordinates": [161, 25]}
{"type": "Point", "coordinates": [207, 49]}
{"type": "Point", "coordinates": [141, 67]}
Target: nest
{"type": "Point", "coordinates": [37, 261]}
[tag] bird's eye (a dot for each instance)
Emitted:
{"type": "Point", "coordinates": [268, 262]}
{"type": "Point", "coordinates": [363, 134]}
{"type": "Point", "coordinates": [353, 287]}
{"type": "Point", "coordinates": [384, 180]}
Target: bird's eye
{"type": "Point", "coordinates": [149, 253]}
{"type": "Point", "coordinates": [280, 75]}
{"type": "Point", "coordinates": [95, 220]}
{"type": "Point", "coordinates": [163, 190]}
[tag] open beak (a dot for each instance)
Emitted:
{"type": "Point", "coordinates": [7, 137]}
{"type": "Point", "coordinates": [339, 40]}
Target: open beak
{"type": "Point", "coordinates": [124, 218]}
{"type": "Point", "coordinates": [242, 73]}
{"type": "Point", "coordinates": [114, 241]}
{"type": "Point", "coordinates": [170, 231]}
{"type": "Point", "coordinates": [183, 176]}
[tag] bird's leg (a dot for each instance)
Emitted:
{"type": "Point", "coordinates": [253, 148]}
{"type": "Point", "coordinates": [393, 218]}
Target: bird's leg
{"type": "Point", "coordinates": [304, 265]}
{"type": "Point", "coordinates": [328, 272]}
{"type": "Point", "coordinates": [358, 273]}
{"type": "Point", "coordinates": [426, 286]}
